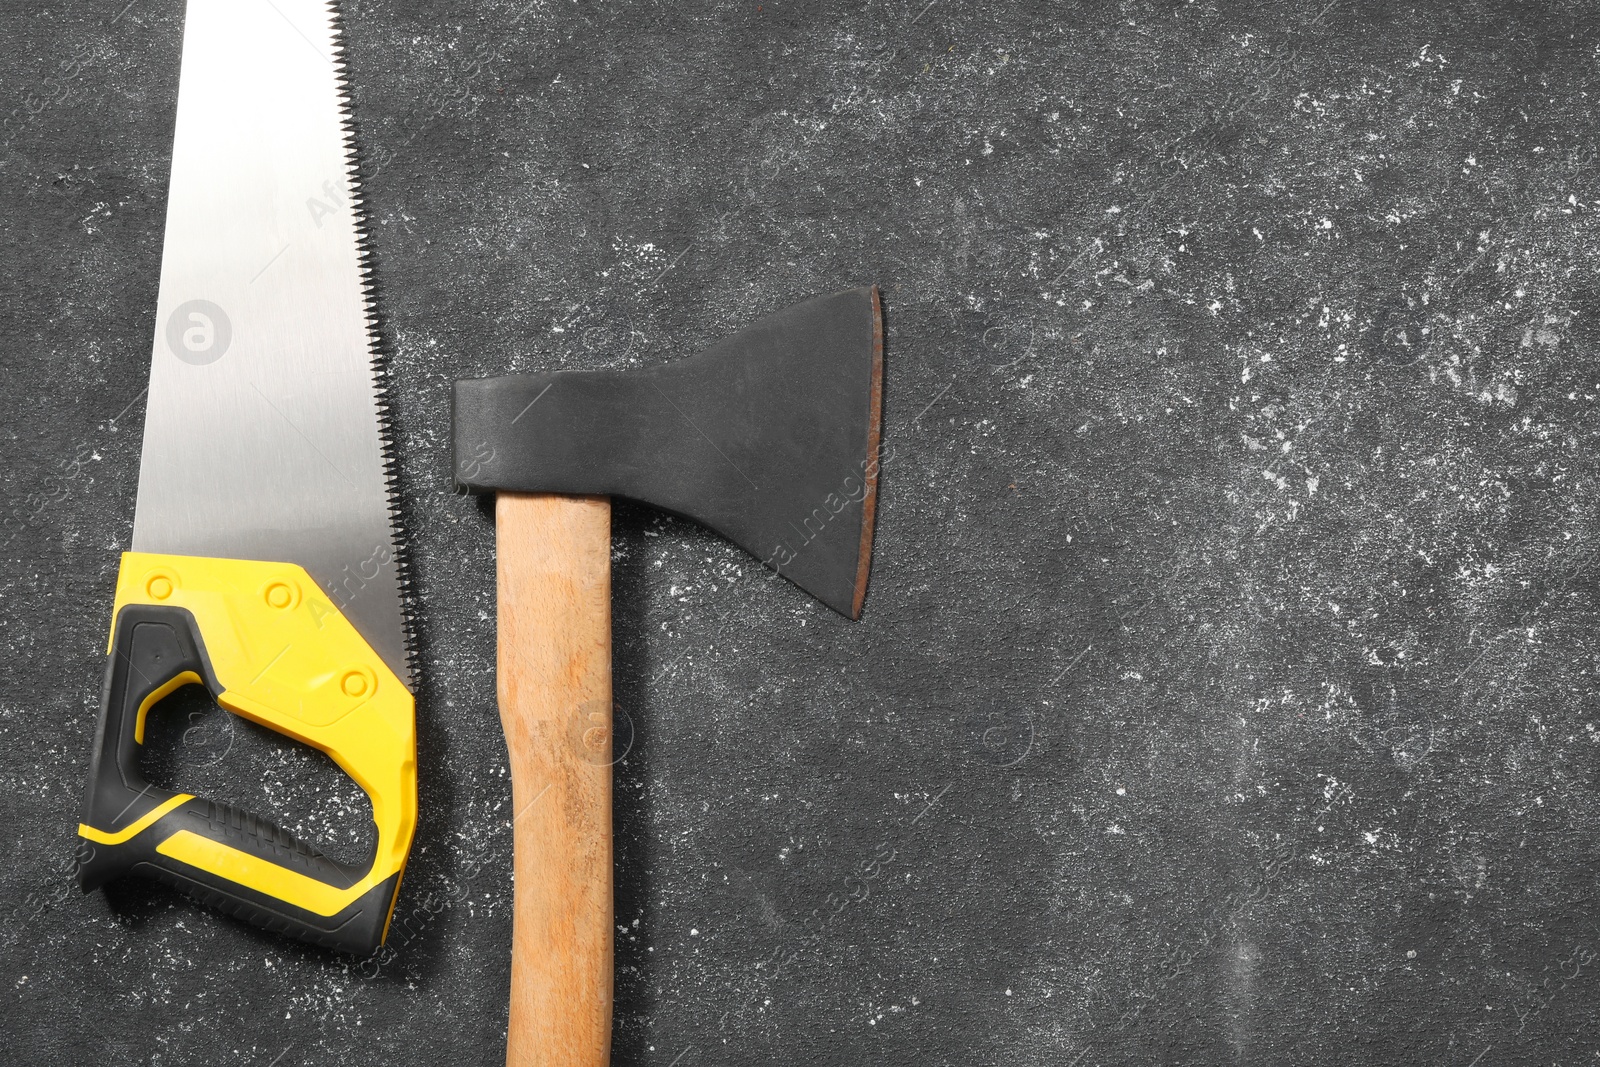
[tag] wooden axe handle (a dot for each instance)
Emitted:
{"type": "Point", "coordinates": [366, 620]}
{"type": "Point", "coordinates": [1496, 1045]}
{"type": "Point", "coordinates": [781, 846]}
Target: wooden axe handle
{"type": "Point", "coordinates": [555, 704]}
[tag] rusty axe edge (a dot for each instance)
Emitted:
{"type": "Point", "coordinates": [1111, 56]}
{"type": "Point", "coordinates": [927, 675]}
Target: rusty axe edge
{"type": "Point", "coordinates": [869, 505]}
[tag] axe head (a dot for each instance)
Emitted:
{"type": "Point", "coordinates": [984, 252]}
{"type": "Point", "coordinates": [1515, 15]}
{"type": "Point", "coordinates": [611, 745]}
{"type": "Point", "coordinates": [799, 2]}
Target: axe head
{"type": "Point", "coordinates": [770, 438]}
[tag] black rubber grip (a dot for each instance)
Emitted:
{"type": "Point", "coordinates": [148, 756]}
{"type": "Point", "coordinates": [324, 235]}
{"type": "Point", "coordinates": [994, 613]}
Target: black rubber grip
{"type": "Point", "coordinates": [152, 645]}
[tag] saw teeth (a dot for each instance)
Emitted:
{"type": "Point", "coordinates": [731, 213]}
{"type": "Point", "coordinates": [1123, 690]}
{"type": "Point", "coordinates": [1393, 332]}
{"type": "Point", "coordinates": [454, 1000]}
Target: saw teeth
{"type": "Point", "coordinates": [383, 384]}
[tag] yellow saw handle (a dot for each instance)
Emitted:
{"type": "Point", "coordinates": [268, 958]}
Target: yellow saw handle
{"type": "Point", "coordinates": [270, 646]}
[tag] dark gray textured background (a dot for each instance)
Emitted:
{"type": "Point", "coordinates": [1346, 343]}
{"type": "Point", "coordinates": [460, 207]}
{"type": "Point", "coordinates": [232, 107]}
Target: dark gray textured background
{"type": "Point", "coordinates": [1226, 687]}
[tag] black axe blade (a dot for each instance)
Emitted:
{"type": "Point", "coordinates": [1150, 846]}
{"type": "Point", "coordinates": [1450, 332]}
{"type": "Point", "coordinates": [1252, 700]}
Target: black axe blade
{"type": "Point", "coordinates": [770, 438]}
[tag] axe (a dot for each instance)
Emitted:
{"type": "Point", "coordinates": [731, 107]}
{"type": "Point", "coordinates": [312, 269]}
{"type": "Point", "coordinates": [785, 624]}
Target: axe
{"type": "Point", "coordinates": [771, 439]}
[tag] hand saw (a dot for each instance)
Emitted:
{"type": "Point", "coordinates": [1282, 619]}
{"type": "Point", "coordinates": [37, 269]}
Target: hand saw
{"type": "Point", "coordinates": [264, 562]}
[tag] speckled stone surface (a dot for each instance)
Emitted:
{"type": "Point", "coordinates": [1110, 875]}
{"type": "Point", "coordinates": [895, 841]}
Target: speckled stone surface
{"type": "Point", "coordinates": [1226, 690]}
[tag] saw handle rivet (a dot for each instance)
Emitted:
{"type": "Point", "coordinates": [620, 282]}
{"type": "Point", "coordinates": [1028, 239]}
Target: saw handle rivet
{"type": "Point", "coordinates": [355, 683]}
{"type": "Point", "coordinates": [160, 586]}
{"type": "Point", "coordinates": [281, 594]}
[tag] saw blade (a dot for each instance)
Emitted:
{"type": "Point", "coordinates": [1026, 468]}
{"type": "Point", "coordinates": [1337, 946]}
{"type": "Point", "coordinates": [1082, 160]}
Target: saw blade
{"type": "Point", "coordinates": [266, 430]}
